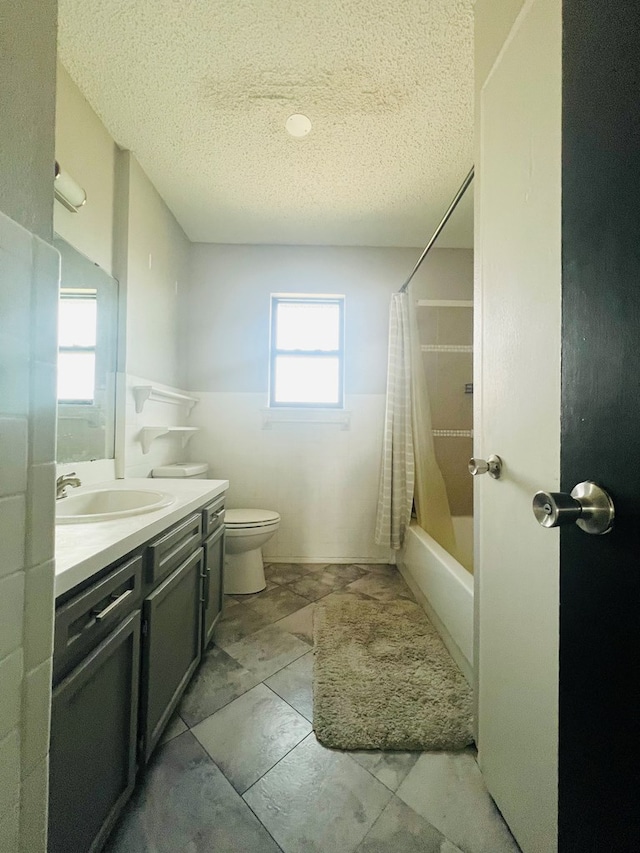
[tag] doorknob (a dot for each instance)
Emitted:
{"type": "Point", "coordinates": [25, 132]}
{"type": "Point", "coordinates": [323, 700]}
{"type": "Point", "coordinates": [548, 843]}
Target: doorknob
{"type": "Point", "coordinates": [588, 505]}
{"type": "Point", "coordinates": [491, 466]}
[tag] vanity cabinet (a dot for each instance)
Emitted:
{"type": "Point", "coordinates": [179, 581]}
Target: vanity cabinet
{"type": "Point", "coordinates": [171, 647]}
{"type": "Point", "coordinates": [213, 575]}
{"type": "Point", "coordinates": [126, 645]}
{"type": "Point", "coordinates": [94, 710]}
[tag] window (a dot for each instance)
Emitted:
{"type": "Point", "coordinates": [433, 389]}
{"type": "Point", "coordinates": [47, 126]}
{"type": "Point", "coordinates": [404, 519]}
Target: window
{"type": "Point", "coordinates": [307, 351]}
{"type": "Point", "coordinates": [77, 329]}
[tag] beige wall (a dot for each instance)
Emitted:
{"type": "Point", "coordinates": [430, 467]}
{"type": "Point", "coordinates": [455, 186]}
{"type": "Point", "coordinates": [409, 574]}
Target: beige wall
{"type": "Point", "coordinates": [27, 104]}
{"type": "Point", "coordinates": [156, 277]}
{"type": "Point", "coordinates": [227, 319]}
{"type": "Point", "coordinates": [87, 152]}
{"type": "Point", "coordinates": [126, 228]}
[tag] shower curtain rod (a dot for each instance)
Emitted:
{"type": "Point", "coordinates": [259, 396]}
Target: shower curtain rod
{"type": "Point", "coordinates": [436, 234]}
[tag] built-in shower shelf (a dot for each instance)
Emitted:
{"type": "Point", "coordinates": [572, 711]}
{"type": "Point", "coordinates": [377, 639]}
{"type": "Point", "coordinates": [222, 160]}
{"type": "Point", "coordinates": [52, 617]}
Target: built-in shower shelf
{"type": "Point", "coordinates": [148, 434]}
{"type": "Point", "coordinates": [452, 433]}
{"type": "Point", "coordinates": [445, 303]}
{"type": "Point", "coordinates": [446, 348]}
{"type": "Point", "coordinates": [142, 393]}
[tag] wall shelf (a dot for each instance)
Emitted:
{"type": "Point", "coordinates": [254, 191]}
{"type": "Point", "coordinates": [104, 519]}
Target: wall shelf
{"type": "Point", "coordinates": [149, 433]}
{"type": "Point", "coordinates": [142, 393]}
{"type": "Point", "coordinates": [452, 433]}
{"type": "Point", "coordinates": [445, 303]}
{"type": "Point", "coordinates": [446, 348]}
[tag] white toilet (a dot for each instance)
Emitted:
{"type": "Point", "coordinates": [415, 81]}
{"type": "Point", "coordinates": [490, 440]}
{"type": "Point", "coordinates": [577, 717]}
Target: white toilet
{"type": "Point", "coordinates": [247, 530]}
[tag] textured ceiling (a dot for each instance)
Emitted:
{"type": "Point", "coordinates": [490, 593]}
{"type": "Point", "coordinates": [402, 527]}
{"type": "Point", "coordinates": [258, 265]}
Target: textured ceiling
{"type": "Point", "coordinates": [200, 91]}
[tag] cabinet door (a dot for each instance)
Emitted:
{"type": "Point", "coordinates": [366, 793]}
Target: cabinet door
{"type": "Point", "coordinates": [93, 742]}
{"type": "Point", "coordinates": [213, 584]}
{"type": "Point", "coordinates": [170, 646]}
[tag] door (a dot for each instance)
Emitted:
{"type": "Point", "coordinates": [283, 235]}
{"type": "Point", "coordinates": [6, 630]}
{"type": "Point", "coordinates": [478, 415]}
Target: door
{"type": "Point", "coordinates": [170, 647]}
{"type": "Point", "coordinates": [558, 261]}
{"type": "Point", "coordinates": [599, 758]}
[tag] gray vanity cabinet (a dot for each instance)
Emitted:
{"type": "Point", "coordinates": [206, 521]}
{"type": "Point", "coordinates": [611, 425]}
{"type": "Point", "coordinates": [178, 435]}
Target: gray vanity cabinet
{"type": "Point", "coordinates": [94, 710]}
{"type": "Point", "coordinates": [171, 627]}
{"type": "Point", "coordinates": [213, 578]}
{"type": "Point", "coordinates": [126, 644]}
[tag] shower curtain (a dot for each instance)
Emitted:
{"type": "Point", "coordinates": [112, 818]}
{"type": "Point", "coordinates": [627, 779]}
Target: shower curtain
{"type": "Point", "coordinates": [409, 469]}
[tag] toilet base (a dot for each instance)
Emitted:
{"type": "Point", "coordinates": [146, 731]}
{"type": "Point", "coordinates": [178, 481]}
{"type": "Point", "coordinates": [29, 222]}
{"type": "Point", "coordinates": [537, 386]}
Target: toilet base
{"type": "Point", "coordinates": [244, 573]}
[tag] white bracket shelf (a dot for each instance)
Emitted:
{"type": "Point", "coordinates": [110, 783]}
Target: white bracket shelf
{"type": "Point", "coordinates": [150, 433]}
{"type": "Point", "coordinates": [142, 393]}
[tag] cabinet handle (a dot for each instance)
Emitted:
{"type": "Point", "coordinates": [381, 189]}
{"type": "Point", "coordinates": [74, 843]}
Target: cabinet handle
{"type": "Point", "coordinates": [102, 614]}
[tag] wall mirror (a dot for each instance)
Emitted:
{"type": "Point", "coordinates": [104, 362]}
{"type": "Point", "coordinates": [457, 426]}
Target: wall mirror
{"type": "Point", "coordinates": [87, 343]}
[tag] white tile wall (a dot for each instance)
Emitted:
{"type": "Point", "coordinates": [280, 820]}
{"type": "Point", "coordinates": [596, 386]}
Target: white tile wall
{"type": "Point", "coordinates": [132, 462]}
{"type": "Point", "coordinates": [29, 277]}
{"type": "Point", "coordinates": [322, 479]}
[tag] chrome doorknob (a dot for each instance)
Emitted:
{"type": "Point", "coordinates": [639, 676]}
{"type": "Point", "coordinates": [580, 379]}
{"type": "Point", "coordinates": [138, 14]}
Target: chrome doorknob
{"type": "Point", "coordinates": [588, 505]}
{"type": "Point", "coordinates": [491, 466]}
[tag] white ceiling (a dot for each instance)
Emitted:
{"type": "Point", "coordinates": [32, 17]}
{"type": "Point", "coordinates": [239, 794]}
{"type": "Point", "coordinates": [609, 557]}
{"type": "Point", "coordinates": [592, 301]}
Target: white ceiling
{"type": "Point", "coordinates": [200, 91]}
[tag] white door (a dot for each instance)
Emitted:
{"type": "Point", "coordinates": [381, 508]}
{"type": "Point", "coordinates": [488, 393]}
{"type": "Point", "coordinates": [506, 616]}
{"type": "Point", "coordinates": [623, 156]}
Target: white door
{"type": "Point", "coordinates": [518, 257]}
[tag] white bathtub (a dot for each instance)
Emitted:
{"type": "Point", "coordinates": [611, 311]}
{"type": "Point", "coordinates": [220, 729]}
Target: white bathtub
{"type": "Point", "coordinates": [443, 587]}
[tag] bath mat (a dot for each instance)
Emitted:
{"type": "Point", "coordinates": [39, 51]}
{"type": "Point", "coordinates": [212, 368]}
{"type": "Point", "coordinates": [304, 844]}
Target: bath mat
{"type": "Point", "coordinates": [383, 679]}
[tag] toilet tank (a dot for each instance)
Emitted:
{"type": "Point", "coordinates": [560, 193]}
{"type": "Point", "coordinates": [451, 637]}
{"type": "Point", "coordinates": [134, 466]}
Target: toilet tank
{"type": "Point", "coordinates": [193, 470]}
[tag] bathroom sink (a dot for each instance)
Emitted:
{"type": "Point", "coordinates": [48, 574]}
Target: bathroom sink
{"type": "Point", "coordinates": [107, 504]}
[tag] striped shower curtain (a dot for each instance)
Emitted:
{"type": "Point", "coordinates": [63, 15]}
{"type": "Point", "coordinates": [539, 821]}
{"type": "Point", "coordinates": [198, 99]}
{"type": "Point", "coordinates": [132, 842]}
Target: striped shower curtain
{"type": "Point", "coordinates": [409, 468]}
{"type": "Point", "coordinates": [397, 476]}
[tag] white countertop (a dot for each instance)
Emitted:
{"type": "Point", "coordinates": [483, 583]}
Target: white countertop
{"type": "Point", "coordinates": [86, 548]}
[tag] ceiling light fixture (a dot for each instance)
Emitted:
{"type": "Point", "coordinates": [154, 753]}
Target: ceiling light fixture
{"type": "Point", "coordinates": [67, 191]}
{"type": "Point", "coordinates": [298, 125]}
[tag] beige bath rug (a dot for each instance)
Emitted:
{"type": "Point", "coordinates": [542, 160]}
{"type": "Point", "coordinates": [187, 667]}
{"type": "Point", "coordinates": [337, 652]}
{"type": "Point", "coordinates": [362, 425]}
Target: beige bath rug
{"type": "Point", "coordinates": [383, 679]}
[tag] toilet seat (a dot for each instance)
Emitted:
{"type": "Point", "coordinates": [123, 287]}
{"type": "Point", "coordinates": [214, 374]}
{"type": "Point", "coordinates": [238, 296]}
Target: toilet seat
{"type": "Point", "coordinates": [249, 518]}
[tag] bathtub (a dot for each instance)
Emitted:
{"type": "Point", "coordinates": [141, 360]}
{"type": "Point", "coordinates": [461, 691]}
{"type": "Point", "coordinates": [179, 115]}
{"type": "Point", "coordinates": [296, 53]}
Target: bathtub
{"type": "Point", "coordinates": [443, 587]}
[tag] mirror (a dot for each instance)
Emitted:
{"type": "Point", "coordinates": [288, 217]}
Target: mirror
{"type": "Point", "coordinates": [87, 341]}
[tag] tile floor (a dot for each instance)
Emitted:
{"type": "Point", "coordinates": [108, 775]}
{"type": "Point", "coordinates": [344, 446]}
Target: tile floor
{"type": "Point", "coordinates": [240, 769]}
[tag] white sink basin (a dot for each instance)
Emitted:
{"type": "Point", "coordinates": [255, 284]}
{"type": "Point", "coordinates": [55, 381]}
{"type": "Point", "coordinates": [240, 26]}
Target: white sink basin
{"type": "Point", "coordinates": [107, 504]}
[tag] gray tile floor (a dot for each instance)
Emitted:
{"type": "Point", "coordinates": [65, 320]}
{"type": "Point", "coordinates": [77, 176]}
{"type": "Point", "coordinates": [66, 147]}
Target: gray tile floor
{"type": "Point", "coordinates": [240, 769]}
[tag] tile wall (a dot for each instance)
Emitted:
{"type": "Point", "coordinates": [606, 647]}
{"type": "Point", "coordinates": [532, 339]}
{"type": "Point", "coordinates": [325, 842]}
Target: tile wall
{"type": "Point", "coordinates": [29, 276]}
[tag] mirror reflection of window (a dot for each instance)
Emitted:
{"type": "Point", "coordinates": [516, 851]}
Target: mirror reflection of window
{"type": "Point", "coordinates": [77, 335]}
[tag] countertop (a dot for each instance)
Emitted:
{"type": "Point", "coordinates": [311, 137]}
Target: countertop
{"type": "Point", "coordinates": [84, 549]}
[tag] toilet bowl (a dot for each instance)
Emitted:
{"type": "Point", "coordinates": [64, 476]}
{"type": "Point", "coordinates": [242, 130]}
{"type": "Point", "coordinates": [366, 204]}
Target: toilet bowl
{"type": "Point", "coordinates": [247, 530]}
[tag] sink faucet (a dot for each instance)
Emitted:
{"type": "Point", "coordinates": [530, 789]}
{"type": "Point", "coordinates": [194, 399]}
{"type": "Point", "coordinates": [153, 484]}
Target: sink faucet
{"type": "Point", "coordinates": [66, 480]}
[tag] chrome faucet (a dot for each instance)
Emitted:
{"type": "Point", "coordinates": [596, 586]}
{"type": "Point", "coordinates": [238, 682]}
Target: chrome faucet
{"type": "Point", "coordinates": [66, 480]}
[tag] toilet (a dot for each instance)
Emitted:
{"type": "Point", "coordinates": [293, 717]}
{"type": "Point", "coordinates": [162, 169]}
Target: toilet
{"type": "Point", "coordinates": [247, 530]}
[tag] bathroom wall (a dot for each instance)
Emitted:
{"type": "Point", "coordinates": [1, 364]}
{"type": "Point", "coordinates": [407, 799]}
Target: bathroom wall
{"type": "Point", "coordinates": [28, 296]}
{"type": "Point", "coordinates": [87, 152]}
{"type": "Point", "coordinates": [128, 230]}
{"type": "Point", "coordinates": [27, 72]}
{"type": "Point", "coordinates": [322, 479]}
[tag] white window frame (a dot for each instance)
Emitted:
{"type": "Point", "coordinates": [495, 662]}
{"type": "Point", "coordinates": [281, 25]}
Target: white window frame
{"type": "Point", "coordinates": [274, 352]}
{"type": "Point", "coordinates": [71, 294]}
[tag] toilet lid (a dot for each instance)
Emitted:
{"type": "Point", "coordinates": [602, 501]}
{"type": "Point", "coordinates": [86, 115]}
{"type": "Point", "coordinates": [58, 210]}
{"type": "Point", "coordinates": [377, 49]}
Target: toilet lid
{"type": "Point", "coordinates": [250, 517]}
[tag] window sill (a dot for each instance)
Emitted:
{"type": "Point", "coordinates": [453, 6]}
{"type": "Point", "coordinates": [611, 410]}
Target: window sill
{"type": "Point", "coordinates": [293, 415]}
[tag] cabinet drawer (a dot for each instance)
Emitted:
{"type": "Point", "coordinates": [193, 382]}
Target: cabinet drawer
{"type": "Point", "coordinates": [166, 553]}
{"type": "Point", "coordinates": [83, 621]}
{"type": "Point", "coordinates": [213, 516]}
